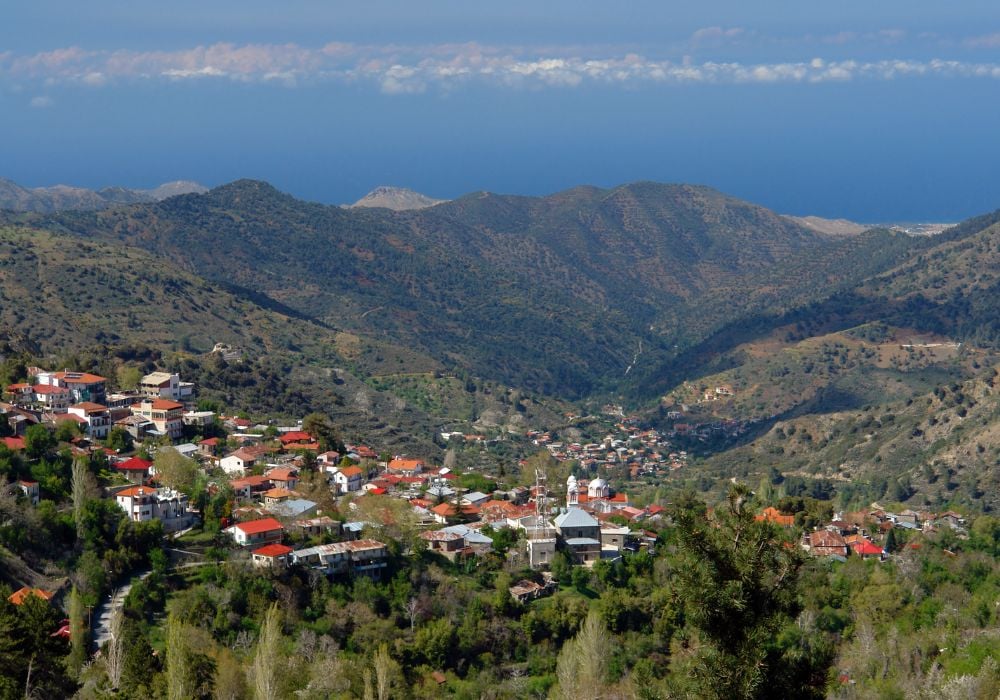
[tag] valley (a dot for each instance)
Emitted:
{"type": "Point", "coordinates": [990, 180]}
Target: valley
{"type": "Point", "coordinates": [494, 430]}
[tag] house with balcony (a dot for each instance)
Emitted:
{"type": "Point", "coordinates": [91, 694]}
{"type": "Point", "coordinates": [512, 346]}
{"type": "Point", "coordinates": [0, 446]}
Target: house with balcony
{"type": "Point", "coordinates": [51, 399]}
{"type": "Point", "coordinates": [348, 479]}
{"type": "Point", "coordinates": [82, 386]}
{"type": "Point", "coordinates": [143, 503]}
{"type": "Point", "coordinates": [96, 416]}
{"type": "Point", "coordinates": [166, 415]}
{"type": "Point", "coordinates": [359, 558]}
{"type": "Point", "coordinates": [161, 385]}
{"type": "Point", "coordinates": [580, 533]}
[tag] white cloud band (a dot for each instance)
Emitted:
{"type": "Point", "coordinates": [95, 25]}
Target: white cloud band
{"type": "Point", "coordinates": [397, 69]}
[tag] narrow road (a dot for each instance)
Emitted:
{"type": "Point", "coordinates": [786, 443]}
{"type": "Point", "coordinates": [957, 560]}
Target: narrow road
{"type": "Point", "coordinates": [115, 600]}
{"type": "Point", "coordinates": [103, 612]}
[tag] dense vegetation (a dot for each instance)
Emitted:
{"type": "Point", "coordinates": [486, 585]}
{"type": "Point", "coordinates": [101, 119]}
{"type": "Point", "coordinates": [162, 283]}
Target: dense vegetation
{"type": "Point", "coordinates": [721, 607]}
{"type": "Point", "coordinates": [388, 323]}
{"type": "Point", "coordinates": [558, 295]}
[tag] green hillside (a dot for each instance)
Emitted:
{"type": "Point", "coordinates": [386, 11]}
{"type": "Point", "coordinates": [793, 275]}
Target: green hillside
{"type": "Point", "coordinates": [933, 450]}
{"type": "Point", "coordinates": [67, 301]}
{"type": "Point", "coordinates": [902, 406]}
{"type": "Point", "coordinates": [561, 295]}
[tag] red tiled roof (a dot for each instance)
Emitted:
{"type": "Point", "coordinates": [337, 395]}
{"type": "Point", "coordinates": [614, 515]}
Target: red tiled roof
{"type": "Point", "coordinates": [137, 491]}
{"type": "Point", "coordinates": [826, 539]}
{"type": "Point", "coordinates": [773, 515]}
{"type": "Point", "coordinates": [254, 527]}
{"type": "Point", "coordinates": [78, 377]}
{"type": "Point", "coordinates": [252, 480]}
{"type": "Point", "coordinates": [313, 446]}
{"type": "Point", "coordinates": [246, 454]}
{"type": "Point", "coordinates": [209, 441]}
{"type": "Point", "coordinates": [63, 417]}
{"type": "Point", "coordinates": [272, 550]}
{"type": "Point", "coordinates": [865, 547]}
{"type": "Point", "coordinates": [45, 389]}
{"type": "Point", "coordinates": [13, 443]}
{"type": "Point", "coordinates": [295, 436]}
{"type": "Point", "coordinates": [19, 596]}
{"type": "Point", "coordinates": [447, 510]}
{"type": "Point", "coordinates": [282, 474]}
{"type": "Point", "coordinates": [379, 491]}
{"type": "Point", "coordinates": [279, 493]}
{"type": "Point", "coordinates": [89, 407]}
{"type": "Point", "coordinates": [165, 405]}
{"type": "Point", "coordinates": [351, 471]}
{"type": "Point", "coordinates": [400, 464]}
{"type": "Point", "coordinates": [496, 505]}
{"type": "Point", "coordinates": [134, 464]}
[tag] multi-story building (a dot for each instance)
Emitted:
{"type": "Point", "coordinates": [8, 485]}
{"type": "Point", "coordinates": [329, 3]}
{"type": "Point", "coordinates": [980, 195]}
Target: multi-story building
{"type": "Point", "coordinates": [580, 533]}
{"type": "Point", "coordinates": [97, 417]}
{"type": "Point", "coordinates": [142, 503]}
{"type": "Point", "coordinates": [52, 399]}
{"type": "Point", "coordinates": [83, 386]}
{"type": "Point", "coordinates": [166, 415]}
{"type": "Point", "coordinates": [163, 385]}
{"type": "Point", "coordinates": [348, 479]}
{"type": "Point", "coordinates": [364, 557]}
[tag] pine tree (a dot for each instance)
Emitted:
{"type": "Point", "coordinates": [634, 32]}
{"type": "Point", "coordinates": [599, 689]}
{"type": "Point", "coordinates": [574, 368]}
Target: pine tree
{"type": "Point", "coordinates": [739, 586]}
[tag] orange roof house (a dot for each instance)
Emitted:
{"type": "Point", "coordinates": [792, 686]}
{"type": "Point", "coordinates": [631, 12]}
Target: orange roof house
{"type": "Point", "coordinates": [295, 436]}
{"type": "Point", "coordinates": [271, 555]}
{"type": "Point", "coordinates": [18, 597]}
{"type": "Point", "coordinates": [401, 465]}
{"type": "Point", "coordinates": [773, 515]}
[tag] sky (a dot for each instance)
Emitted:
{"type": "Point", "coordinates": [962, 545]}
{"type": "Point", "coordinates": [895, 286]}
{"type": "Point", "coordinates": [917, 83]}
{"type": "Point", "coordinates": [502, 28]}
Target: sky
{"type": "Point", "coordinates": [874, 112]}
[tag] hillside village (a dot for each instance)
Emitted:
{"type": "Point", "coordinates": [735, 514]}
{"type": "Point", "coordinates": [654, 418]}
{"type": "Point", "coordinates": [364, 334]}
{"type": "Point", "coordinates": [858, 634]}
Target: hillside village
{"type": "Point", "coordinates": [259, 468]}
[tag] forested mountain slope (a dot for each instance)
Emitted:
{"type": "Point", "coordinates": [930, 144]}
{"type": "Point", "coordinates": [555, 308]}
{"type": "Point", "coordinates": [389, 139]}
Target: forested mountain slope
{"type": "Point", "coordinates": [559, 294]}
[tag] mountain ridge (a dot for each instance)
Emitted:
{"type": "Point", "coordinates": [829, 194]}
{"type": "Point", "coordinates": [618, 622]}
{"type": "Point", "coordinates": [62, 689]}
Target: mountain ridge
{"type": "Point", "coordinates": [55, 198]}
{"type": "Point", "coordinates": [554, 294]}
{"type": "Point", "coordinates": [395, 198]}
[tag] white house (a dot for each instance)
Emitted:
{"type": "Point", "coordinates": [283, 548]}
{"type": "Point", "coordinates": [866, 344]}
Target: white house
{"type": "Point", "coordinates": [164, 385]}
{"type": "Point", "coordinates": [348, 479]}
{"type": "Point", "coordinates": [142, 503]}
{"type": "Point", "coordinates": [240, 461]}
{"type": "Point", "coordinates": [256, 532]}
{"type": "Point", "coordinates": [97, 417]}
